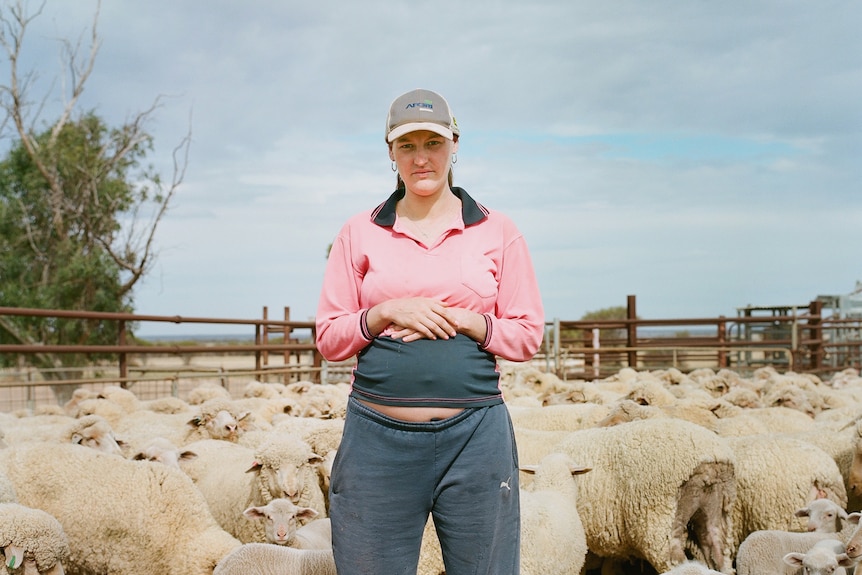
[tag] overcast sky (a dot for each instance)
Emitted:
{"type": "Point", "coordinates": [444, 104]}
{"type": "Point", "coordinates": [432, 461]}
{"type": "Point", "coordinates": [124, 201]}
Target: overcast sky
{"type": "Point", "coordinates": [702, 156]}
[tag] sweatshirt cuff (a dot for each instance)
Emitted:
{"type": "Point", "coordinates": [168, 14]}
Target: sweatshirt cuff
{"type": "Point", "coordinates": [488, 329]}
{"type": "Point", "coordinates": [363, 325]}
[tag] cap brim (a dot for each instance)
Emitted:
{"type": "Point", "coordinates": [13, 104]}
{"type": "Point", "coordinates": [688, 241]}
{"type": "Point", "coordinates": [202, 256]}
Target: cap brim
{"type": "Point", "coordinates": [416, 126]}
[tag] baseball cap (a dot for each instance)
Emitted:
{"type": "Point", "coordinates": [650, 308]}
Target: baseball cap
{"type": "Point", "coordinates": [420, 110]}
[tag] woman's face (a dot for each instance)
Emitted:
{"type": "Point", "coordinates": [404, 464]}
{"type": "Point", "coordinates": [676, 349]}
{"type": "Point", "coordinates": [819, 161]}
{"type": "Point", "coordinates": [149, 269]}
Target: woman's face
{"type": "Point", "coordinates": [422, 159]}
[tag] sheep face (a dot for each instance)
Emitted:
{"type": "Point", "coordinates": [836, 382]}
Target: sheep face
{"type": "Point", "coordinates": [279, 518]}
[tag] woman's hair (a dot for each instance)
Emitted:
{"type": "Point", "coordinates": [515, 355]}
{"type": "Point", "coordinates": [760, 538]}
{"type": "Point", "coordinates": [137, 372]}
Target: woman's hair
{"type": "Point", "coordinates": [399, 183]}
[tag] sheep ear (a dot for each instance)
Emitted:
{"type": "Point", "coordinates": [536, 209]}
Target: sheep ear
{"type": "Point", "coordinates": [253, 513]}
{"type": "Point", "coordinates": [196, 421]}
{"type": "Point", "coordinates": [14, 556]}
{"type": "Point", "coordinates": [306, 513]}
{"type": "Point", "coordinates": [844, 560]}
{"type": "Point", "coordinates": [804, 512]}
{"type": "Point", "coordinates": [315, 459]}
{"type": "Point", "coordinates": [77, 438]}
{"type": "Point", "coordinates": [254, 467]}
{"type": "Point", "coordinates": [188, 455]}
{"type": "Point", "coordinates": [854, 517]}
{"type": "Point", "coordinates": [579, 469]}
{"type": "Point", "coordinates": [794, 559]}
{"type": "Point", "coordinates": [139, 457]}
{"type": "Point", "coordinates": [531, 469]}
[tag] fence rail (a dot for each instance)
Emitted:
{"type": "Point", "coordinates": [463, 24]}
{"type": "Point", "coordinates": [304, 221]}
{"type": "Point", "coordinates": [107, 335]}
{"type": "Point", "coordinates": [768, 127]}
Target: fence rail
{"type": "Point", "coordinates": [797, 338]}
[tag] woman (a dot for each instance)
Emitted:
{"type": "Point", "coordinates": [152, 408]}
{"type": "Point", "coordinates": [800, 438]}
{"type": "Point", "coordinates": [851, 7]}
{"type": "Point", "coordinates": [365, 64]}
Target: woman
{"type": "Point", "coordinates": [427, 289]}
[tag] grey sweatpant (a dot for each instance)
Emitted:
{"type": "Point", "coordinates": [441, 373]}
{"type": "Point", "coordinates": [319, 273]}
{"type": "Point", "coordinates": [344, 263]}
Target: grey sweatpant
{"type": "Point", "coordinates": [389, 474]}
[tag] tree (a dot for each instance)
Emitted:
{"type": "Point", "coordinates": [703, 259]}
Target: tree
{"type": "Point", "coordinates": [79, 207]}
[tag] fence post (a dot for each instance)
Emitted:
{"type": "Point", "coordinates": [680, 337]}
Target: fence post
{"type": "Point", "coordinates": [815, 308]}
{"type": "Point", "coordinates": [285, 378]}
{"type": "Point", "coordinates": [124, 360]}
{"type": "Point", "coordinates": [632, 331]}
{"type": "Point", "coordinates": [722, 342]}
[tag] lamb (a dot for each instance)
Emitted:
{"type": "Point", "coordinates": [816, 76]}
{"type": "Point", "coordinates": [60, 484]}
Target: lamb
{"type": "Point", "coordinates": [120, 516]}
{"type": "Point", "coordinates": [824, 515]}
{"type": "Point", "coordinates": [658, 488]}
{"type": "Point", "coordinates": [32, 538]}
{"type": "Point", "coordinates": [279, 518]}
{"type": "Point", "coordinates": [233, 478]}
{"type": "Point", "coordinates": [762, 552]}
{"type": "Point", "coordinates": [552, 535]}
{"type": "Point", "coordinates": [266, 559]}
{"type": "Point", "coordinates": [826, 557]}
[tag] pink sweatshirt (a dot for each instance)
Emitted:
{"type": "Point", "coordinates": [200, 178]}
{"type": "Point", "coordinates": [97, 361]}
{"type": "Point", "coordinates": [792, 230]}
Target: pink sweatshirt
{"type": "Point", "coordinates": [481, 264]}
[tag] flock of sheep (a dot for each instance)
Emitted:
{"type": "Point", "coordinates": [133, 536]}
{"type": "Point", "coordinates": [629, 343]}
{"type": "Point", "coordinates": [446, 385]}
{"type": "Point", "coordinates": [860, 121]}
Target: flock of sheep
{"type": "Point", "coordinates": [649, 472]}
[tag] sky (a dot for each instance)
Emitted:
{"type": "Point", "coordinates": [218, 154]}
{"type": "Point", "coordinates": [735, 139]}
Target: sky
{"type": "Point", "coordinates": [702, 156]}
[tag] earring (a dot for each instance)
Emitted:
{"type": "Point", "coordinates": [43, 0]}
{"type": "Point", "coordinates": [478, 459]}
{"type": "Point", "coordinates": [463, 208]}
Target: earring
{"type": "Point", "coordinates": [454, 158]}
{"type": "Point", "coordinates": [394, 167]}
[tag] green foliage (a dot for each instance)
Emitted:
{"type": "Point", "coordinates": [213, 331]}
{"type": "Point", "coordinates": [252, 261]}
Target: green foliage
{"type": "Point", "coordinates": [56, 229]}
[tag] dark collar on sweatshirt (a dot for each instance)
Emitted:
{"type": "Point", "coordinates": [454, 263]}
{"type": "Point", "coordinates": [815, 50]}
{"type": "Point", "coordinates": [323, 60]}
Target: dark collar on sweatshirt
{"type": "Point", "coordinates": [472, 212]}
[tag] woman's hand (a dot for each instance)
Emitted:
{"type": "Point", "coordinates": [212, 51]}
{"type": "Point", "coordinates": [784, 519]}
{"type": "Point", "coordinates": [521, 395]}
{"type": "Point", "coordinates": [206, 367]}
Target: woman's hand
{"type": "Point", "coordinates": [411, 319]}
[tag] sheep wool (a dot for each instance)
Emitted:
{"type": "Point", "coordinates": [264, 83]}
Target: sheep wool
{"type": "Point", "coordinates": [34, 535]}
{"type": "Point", "coordinates": [266, 559]}
{"type": "Point", "coordinates": [658, 488]}
{"type": "Point", "coordinates": [120, 516]}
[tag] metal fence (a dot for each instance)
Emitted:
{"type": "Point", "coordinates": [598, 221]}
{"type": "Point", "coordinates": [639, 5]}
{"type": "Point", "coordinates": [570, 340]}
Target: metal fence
{"type": "Point", "coordinates": [789, 338]}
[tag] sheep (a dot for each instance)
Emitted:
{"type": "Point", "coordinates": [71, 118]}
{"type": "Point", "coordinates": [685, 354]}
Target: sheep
{"type": "Point", "coordinates": [233, 478]}
{"type": "Point", "coordinates": [279, 518]}
{"type": "Point", "coordinates": [33, 539]}
{"type": "Point", "coordinates": [824, 515]}
{"type": "Point", "coordinates": [826, 557]}
{"type": "Point", "coordinates": [206, 391]}
{"type": "Point", "coordinates": [776, 475]}
{"type": "Point", "coordinates": [120, 516]}
{"type": "Point", "coordinates": [566, 417]}
{"type": "Point", "coordinates": [658, 488]}
{"type": "Point", "coordinates": [691, 568]}
{"type": "Point", "coordinates": [218, 418]}
{"type": "Point", "coordinates": [7, 490]}
{"type": "Point", "coordinates": [161, 449]}
{"type": "Point", "coordinates": [266, 559]}
{"type": "Point", "coordinates": [95, 432]}
{"type": "Point", "coordinates": [552, 535]}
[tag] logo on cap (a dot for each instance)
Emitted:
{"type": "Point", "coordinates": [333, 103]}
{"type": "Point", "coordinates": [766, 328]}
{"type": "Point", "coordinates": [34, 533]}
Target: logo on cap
{"type": "Point", "coordinates": [426, 106]}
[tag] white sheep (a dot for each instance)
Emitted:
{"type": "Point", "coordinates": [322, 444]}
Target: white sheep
{"type": "Point", "coordinates": [825, 557]}
{"type": "Point", "coordinates": [162, 450]}
{"type": "Point", "coordinates": [762, 552]}
{"type": "Point", "coordinates": [658, 488]}
{"type": "Point", "coordinates": [95, 432]}
{"type": "Point", "coordinates": [218, 418]}
{"type": "Point", "coordinates": [552, 535]}
{"type": "Point", "coordinates": [824, 515]}
{"type": "Point", "coordinates": [279, 518]}
{"type": "Point", "coordinates": [32, 538]}
{"type": "Point", "coordinates": [120, 516]}
{"type": "Point", "coordinates": [777, 475]}
{"type": "Point", "coordinates": [266, 559]}
{"type": "Point", "coordinates": [233, 478]}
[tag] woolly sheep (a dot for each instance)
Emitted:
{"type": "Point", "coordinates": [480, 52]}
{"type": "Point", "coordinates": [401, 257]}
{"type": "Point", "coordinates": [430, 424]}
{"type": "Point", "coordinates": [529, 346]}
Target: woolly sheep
{"type": "Point", "coordinates": [95, 432]}
{"type": "Point", "coordinates": [762, 552]}
{"type": "Point", "coordinates": [552, 535]}
{"type": "Point", "coordinates": [563, 417]}
{"type": "Point", "coordinates": [266, 559]}
{"type": "Point", "coordinates": [279, 518]}
{"type": "Point", "coordinates": [825, 557]}
{"type": "Point", "coordinates": [120, 516]}
{"type": "Point", "coordinates": [161, 449]}
{"type": "Point", "coordinates": [776, 475]}
{"type": "Point", "coordinates": [218, 418]}
{"type": "Point", "coordinates": [233, 478]}
{"type": "Point", "coordinates": [206, 391]}
{"type": "Point", "coordinates": [658, 488]}
{"type": "Point", "coordinates": [7, 490]}
{"type": "Point", "coordinates": [33, 539]}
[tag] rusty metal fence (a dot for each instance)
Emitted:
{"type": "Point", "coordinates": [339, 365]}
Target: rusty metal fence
{"type": "Point", "coordinates": [789, 338]}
